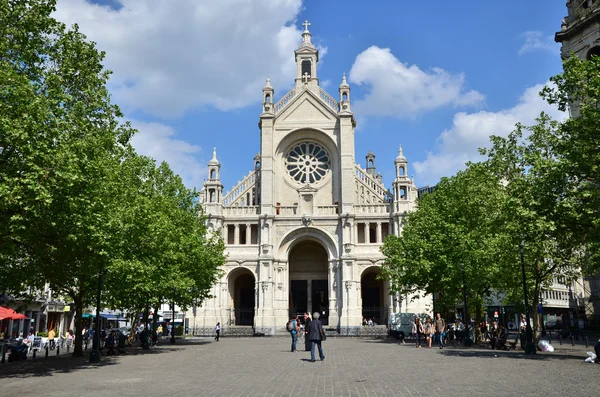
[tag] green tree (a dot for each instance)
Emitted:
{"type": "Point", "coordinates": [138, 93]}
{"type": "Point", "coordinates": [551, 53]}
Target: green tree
{"type": "Point", "coordinates": [61, 147]}
{"type": "Point", "coordinates": [452, 238]}
{"type": "Point", "coordinates": [537, 212]}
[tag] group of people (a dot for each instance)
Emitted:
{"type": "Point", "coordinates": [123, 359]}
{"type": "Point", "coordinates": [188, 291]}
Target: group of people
{"type": "Point", "coordinates": [313, 332]}
{"type": "Point", "coordinates": [368, 323]}
{"type": "Point", "coordinates": [430, 330]}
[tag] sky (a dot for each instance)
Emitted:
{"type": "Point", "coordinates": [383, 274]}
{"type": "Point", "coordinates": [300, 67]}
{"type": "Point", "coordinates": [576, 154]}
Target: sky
{"type": "Point", "coordinates": [437, 76]}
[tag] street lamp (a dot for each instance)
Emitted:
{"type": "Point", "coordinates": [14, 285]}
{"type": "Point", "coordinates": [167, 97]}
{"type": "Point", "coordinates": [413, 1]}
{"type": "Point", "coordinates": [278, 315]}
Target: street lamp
{"type": "Point", "coordinates": [95, 354]}
{"type": "Point", "coordinates": [529, 346]}
{"type": "Point", "coordinates": [467, 341]}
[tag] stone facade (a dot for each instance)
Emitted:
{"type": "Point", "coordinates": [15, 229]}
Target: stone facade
{"type": "Point", "coordinates": [304, 228]}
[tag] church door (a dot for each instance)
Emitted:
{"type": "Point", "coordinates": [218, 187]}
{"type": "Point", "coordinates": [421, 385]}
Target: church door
{"type": "Point", "coordinates": [308, 280]}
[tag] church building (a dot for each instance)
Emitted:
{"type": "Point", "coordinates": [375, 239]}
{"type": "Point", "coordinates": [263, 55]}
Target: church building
{"type": "Point", "coordinates": [303, 229]}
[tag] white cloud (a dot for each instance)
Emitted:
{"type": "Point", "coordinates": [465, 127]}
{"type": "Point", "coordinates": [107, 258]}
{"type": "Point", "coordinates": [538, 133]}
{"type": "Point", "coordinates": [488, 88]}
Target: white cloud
{"type": "Point", "coordinates": [405, 91]}
{"type": "Point", "coordinates": [157, 141]}
{"type": "Point", "coordinates": [168, 58]}
{"type": "Point", "coordinates": [536, 41]}
{"type": "Point", "coordinates": [471, 131]}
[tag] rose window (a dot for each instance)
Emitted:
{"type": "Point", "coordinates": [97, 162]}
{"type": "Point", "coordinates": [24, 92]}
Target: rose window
{"type": "Point", "coordinates": [307, 162]}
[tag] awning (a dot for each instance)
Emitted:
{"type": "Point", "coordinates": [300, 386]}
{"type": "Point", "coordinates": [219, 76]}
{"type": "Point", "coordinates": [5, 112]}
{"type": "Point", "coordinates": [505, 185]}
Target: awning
{"type": "Point", "coordinates": [9, 314]}
{"type": "Point", "coordinates": [112, 317]}
{"type": "Point", "coordinates": [88, 315]}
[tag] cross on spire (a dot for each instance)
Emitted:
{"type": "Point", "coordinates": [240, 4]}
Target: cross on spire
{"type": "Point", "coordinates": [306, 24]}
{"type": "Point", "coordinates": [305, 77]}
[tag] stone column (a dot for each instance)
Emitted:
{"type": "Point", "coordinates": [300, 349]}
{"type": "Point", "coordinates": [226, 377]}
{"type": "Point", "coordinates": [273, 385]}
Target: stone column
{"type": "Point", "coordinates": [248, 241]}
{"type": "Point", "coordinates": [334, 283]}
{"type": "Point", "coordinates": [37, 323]}
{"type": "Point", "coordinates": [309, 296]}
{"type": "Point", "coordinates": [366, 232]}
{"type": "Point", "coordinates": [378, 232]}
{"type": "Point", "coordinates": [236, 235]}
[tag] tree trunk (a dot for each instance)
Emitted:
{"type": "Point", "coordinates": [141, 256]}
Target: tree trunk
{"type": "Point", "coordinates": [78, 346]}
{"type": "Point", "coordinates": [155, 317]}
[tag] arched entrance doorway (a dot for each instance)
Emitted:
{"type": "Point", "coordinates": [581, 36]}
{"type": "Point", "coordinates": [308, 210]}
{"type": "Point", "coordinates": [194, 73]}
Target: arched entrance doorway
{"type": "Point", "coordinates": [372, 294]}
{"type": "Point", "coordinates": [308, 264]}
{"type": "Point", "coordinates": [242, 288]}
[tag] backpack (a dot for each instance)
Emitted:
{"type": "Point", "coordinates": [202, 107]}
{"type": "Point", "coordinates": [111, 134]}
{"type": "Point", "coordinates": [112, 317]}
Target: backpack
{"type": "Point", "coordinates": [290, 326]}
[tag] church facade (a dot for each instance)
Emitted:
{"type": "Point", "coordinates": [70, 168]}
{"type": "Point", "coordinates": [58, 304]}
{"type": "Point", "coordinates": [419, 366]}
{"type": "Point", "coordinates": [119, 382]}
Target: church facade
{"type": "Point", "coordinates": [303, 229]}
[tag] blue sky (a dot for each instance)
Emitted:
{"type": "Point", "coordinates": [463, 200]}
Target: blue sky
{"type": "Point", "coordinates": [436, 76]}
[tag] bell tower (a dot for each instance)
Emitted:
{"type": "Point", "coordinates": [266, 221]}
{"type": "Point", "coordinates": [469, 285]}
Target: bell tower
{"type": "Point", "coordinates": [307, 57]}
{"type": "Point", "coordinates": [580, 34]}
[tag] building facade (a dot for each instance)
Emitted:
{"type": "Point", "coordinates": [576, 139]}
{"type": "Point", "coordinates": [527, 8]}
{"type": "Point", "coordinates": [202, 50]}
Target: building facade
{"type": "Point", "coordinates": [580, 35]}
{"type": "Point", "coordinates": [304, 227]}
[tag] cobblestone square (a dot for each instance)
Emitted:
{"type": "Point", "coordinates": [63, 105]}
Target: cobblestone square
{"type": "Point", "coordinates": [266, 367]}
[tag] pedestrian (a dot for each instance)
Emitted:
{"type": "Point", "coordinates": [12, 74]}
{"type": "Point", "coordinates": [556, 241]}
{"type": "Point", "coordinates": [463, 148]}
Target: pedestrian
{"type": "Point", "coordinates": [292, 327]}
{"type": "Point", "coordinates": [317, 335]}
{"type": "Point", "coordinates": [51, 336]}
{"type": "Point", "coordinates": [494, 335]}
{"type": "Point", "coordinates": [307, 321]}
{"type": "Point", "coordinates": [218, 331]}
{"type": "Point", "coordinates": [440, 327]}
{"type": "Point", "coordinates": [428, 328]}
{"type": "Point", "coordinates": [597, 350]}
{"type": "Point", "coordinates": [417, 330]}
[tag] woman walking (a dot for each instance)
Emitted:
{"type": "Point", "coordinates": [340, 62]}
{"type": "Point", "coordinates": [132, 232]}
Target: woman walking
{"type": "Point", "coordinates": [218, 331]}
{"type": "Point", "coordinates": [428, 331]}
{"type": "Point", "coordinates": [418, 330]}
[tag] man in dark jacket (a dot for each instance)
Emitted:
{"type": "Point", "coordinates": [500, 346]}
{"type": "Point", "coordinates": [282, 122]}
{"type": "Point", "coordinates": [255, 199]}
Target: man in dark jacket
{"type": "Point", "coordinates": [307, 322]}
{"type": "Point", "coordinates": [316, 336]}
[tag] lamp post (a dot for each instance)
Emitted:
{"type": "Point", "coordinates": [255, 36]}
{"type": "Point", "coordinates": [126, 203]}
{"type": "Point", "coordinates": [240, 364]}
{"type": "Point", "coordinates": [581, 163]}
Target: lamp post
{"type": "Point", "coordinates": [467, 341]}
{"type": "Point", "coordinates": [529, 346]}
{"type": "Point", "coordinates": [173, 326]}
{"type": "Point", "coordinates": [95, 354]}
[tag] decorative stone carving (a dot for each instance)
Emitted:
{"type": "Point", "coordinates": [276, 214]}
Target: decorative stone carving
{"type": "Point", "coordinates": [280, 286]}
{"type": "Point", "coordinates": [306, 220]}
{"type": "Point", "coordinates": [266, 248]}
{"type": "Point", "coordinates": [348, 285]}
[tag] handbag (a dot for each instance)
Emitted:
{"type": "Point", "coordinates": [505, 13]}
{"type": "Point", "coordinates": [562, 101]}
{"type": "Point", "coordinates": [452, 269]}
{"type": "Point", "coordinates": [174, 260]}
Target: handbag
{"type": "Point", "coordinates": [322, 333]}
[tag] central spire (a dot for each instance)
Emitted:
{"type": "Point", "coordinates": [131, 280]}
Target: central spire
{"type": "Point", "coordinates": [307, 57]}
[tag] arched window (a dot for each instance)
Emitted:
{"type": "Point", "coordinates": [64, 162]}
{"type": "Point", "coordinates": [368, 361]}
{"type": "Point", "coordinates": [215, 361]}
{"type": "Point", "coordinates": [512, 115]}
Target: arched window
{"type": "Point", "coordinates": [401, 171]}
{"type": "Point", "coordinates": [370, 163]}
{"type": "Point", "coordinates": [306, 68]}
{"type": "Point", "coordinates": [593, 52]}
{"type": "Point", "coordinates": [344, 96]}
{"type": "Point", "coordinates": [213, 174]}
{"type": "Point", "coordinates": [268, 98]}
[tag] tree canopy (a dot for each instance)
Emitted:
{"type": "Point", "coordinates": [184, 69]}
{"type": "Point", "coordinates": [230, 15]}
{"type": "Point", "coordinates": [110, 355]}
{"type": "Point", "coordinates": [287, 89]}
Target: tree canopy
{"type": "Point", "coordinates": [75, 198]}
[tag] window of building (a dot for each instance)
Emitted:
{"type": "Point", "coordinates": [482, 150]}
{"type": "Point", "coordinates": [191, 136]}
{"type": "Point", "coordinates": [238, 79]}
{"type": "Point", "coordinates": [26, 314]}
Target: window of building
{"type": "Point", "coordinates": [253, 234]}
{"type": "Point", "coordinates": [307, 162]}
{"type": "Point", "coordinates": [372, 235]}
{"type": "Point", "coordinates": [360, 238]}
{"type": "Point", "coordinates": [306, 66]}
{"type": "Point", "coordinates": [242, 229]}
{"type": "Point", "coordinates": [230, 234]}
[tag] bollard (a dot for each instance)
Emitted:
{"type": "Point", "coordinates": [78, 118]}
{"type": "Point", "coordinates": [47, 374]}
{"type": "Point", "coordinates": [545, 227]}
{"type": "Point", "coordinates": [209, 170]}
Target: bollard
{"type": "Point", "coordinates": [57, 350]}
{"type": "Point", "coordinates": [550, 337]}
{"type": "Point", "coordinates": [560, 339]}
{"type": "Point", "coordinates": [68, 348]}
{"type": "Point", "coordinates": [586, 341]}
{"type": "Point", "coordinates": [34, 350]}
{"type": "Point", "coordinates": [572, 340]}
{"type": "Point", "coordinates": [46, 350]}
{"type": "Point", "coordinates": [3, 352]}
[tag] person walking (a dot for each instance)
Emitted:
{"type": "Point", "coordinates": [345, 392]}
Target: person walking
{"type": "Point", "coordinates": [307, 342]}
{"type": "Point", "coordinates": [292, 327]}
{"type": "Point", "coordinates": [417, 330]}
{"type": "Point", "coordinates": [51, 336]}
{"type": "Point", "coordinates": [317, 335]}
{"type": "Point", "coordinates": [428, 328]}
{"type": "Point", "coordinates": [440, 327]}
{"type": "Point", "coordinates": [218, 331]}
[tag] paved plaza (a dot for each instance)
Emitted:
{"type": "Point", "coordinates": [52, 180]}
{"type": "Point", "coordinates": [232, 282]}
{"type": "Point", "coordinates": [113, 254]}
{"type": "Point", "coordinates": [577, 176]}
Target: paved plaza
{"type": "Point", "coordinates": [265, 367]}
